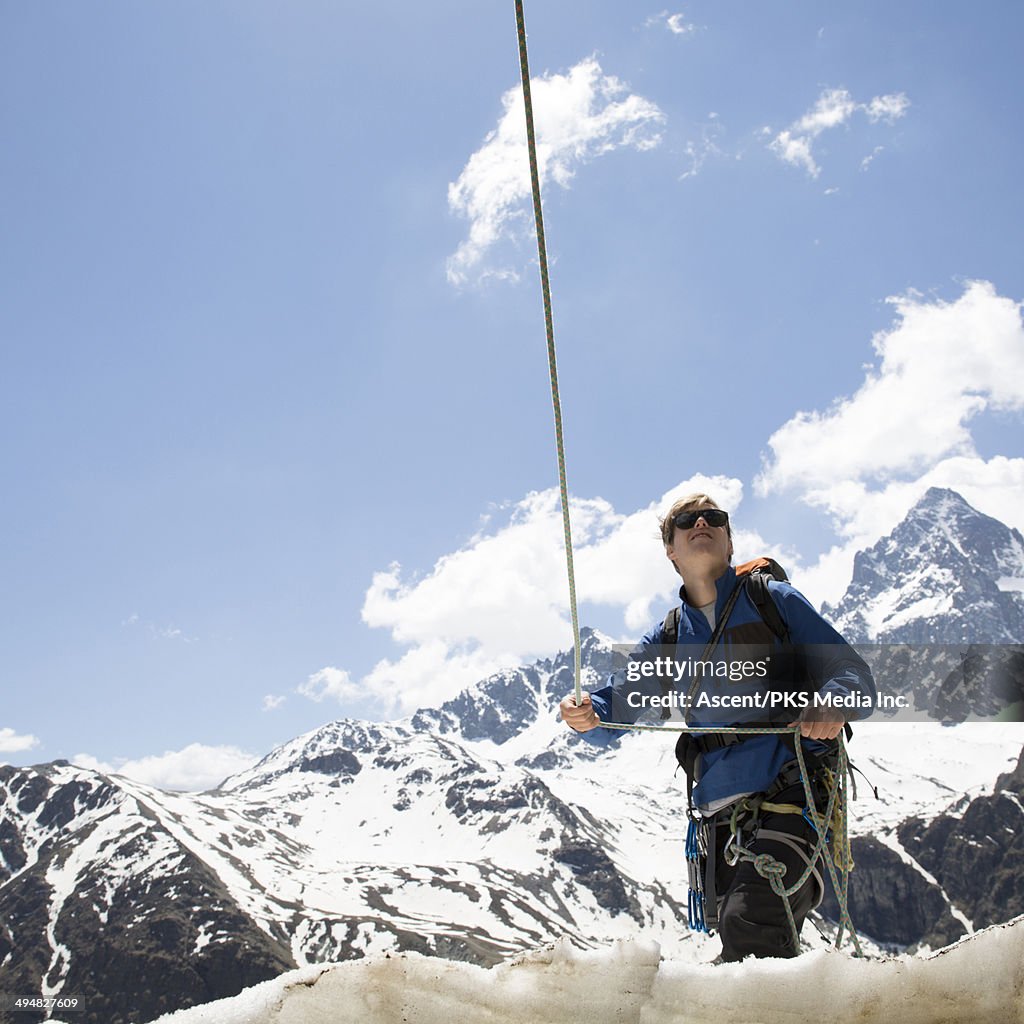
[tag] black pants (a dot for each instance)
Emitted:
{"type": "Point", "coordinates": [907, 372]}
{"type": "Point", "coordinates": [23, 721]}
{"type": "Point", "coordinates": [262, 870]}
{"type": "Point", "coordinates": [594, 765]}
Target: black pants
{"type": "Point", "coordinates": [751, 917]}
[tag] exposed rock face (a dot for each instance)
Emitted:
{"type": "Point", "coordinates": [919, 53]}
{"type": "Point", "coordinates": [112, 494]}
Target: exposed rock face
{"type": "Point", "coordinates": [977, 857]}
{"type": "Point", "coordinates": [946, 575]}
{"type": "Point", "coordinates": [500, 707]}
{"type": "Point", "coordinates": [98, 899]}
{"type": "Point", "coordinates": [890, 901]}
{"type": "Point", "coordinates": [964, 865]}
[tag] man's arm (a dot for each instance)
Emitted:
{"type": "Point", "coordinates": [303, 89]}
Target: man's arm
{"type": "Point", "coordinates": [839, 669]}
{"type": "Point", "coordinates": [608, 704]}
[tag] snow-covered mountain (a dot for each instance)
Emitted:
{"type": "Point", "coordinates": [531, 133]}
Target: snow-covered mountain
{"type": "Point", "coordinates": [355, 838]}
{"type": "Point", "coordinates": [947, 574]}
{"type": "Point", "coordinates": [937, 609]}
{"type": "Point", "coordinates": [469, 832]}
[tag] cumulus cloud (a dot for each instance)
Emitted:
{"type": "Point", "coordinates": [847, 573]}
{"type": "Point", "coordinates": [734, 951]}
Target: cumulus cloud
{"type": "Point", "coordinates": [834, 107]}
{"type": "Point", "coordinates": [579, 116]}
{"type": "Point", "coordinates": [870, 456]}
{"type": "Point", "coordinates": [940, 365]}
{"type": "Point", "coordinates": [13, 743]}
{"type": "Point", "coordinates": [502, 598]}
{"type": "Point", "coordinates": [195, 768]}
{"type": "Point", "coordinates": [329, 682]}
{"type": "Point", "coordinates": [271, 702]}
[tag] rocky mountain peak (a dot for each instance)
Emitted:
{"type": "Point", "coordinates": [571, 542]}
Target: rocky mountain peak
{"type": "Point", "coordinates": [947, 574]}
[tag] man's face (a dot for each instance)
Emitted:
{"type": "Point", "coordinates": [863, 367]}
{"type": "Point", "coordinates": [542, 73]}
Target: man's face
{"type": "Point", "coordinates": [700, 550]}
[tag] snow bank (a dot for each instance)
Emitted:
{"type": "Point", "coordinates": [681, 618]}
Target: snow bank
{"type": "Point", "coordinates": [980, 980]}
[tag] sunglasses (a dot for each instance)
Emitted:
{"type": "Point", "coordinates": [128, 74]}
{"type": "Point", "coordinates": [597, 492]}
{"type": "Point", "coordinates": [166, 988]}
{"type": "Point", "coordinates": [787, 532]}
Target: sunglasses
{"type": "Point", "coordinates": [711, 516]}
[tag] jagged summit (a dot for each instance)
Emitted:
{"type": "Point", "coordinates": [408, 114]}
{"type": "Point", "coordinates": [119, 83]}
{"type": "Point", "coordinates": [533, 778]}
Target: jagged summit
{"type": "Point", "coordinates": [506, 705]}
{"type": "Point", "coordinates": [947, 574]}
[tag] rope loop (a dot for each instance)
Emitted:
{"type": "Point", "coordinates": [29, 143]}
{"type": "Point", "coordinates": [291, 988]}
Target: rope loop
{"type": "Point", "coordinates": [768, 867]}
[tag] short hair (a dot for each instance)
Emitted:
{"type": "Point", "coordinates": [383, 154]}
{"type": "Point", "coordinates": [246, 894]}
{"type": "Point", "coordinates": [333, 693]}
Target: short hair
{"type": "Point", "coordinates": [687, 504]}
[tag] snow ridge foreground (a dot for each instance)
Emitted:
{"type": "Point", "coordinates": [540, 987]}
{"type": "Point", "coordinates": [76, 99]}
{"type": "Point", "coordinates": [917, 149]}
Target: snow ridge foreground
{"type": "Point", "coordinates": [979, 980]}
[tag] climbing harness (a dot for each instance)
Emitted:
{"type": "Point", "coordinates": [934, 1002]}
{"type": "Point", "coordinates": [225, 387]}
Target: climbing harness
{"type": "Point", "coordinates": [697, 840]}
{"type": "Point", "coordinates": [831, 846]}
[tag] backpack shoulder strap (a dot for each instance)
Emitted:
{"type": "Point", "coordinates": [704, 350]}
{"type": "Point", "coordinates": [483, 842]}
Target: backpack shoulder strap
{"type": "Point", "coordinates": [670, 627]}
{"type": "Point", "coordinates": [757, 574]}
{"type": "Point", "coordinates": [758, 592]}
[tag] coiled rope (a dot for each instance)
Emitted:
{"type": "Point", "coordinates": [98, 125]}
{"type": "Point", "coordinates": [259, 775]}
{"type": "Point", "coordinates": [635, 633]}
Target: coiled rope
{"type": "Point", "coordinates": [767, 866]}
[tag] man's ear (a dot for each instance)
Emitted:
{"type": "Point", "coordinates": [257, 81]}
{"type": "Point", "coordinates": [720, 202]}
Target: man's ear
{"type": "Point", "coordinates": [668, 554]}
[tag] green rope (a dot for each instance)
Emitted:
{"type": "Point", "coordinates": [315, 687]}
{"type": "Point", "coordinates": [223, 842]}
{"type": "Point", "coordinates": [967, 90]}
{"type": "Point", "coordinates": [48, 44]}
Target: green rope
{"type": "Point", "coordinates": [774, 871]}
{"type": "Point", "coordinates": [538, 215]}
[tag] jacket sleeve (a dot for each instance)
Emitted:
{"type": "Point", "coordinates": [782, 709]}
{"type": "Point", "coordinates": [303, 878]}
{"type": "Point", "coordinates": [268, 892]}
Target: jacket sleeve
{"type": "Point", "coordinates": [839, 669]}
{"type": "Point", "coordinates": [612, 702]}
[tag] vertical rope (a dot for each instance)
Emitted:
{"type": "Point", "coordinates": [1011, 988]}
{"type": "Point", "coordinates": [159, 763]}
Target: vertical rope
{"type": "Point", "coordinates": [538, 215]}
{"type": "Point", "coordinates": [840, 788]}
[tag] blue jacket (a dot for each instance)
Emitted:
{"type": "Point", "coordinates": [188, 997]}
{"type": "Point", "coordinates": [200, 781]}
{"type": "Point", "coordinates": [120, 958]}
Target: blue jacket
{"type": "Point", "coordinates": [750, 766]}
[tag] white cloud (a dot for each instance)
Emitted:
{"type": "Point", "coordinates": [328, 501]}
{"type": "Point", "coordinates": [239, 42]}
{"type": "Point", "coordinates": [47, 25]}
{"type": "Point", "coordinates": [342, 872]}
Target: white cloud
{"type": "Point", "coordinates": [92, 763]}
{"type": "Point", "coordinates": [678, 25]}
{"type": "Point", "coordinates": [887, 108]}
{"type": "Point", "coordinates": [157, 632]}
{"type": "Point", "coordinates": [431, 672]}
{"type": "Point", "coordinates": [940, 365]}
{"type": "Point", "coordinates": [870, 456]}
{"type": "Point", "coordinates": [700, 152]}
{"type": "Point", "coordinates": [502, 598]}
{"type": "Point", "coordinates": [834, 107]}
{"type": "Point", "coordinates": [172, 633]}
{"type": "Point", "coordinates": [579, 116]}
{"type": "Point", "coordinates": [196, 767]}
{"type": "Point", "coordinates": [329, 682]}
{"type": "Point", "coordinates": [12, 743]}
{"type": "Point", "coordinates": [869, 159]}
{"type": "Point", "coordinates": [675, 23]}
{"type": "Point", "coordinates": [272, 702]}
{"type": "Point", "coordinates": [796, 151]}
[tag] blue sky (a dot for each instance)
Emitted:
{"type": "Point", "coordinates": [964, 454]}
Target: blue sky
{"type": "Point", "coordinates": [277, 439]}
